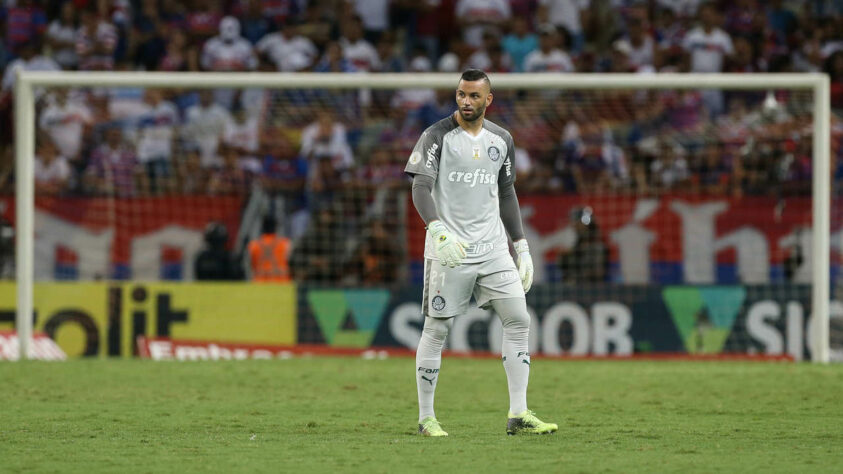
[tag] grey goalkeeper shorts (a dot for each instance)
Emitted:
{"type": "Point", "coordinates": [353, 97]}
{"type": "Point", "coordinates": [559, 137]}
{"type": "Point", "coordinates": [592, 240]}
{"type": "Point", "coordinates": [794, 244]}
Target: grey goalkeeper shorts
{"type": "Point", "coordinates": [447, 291]}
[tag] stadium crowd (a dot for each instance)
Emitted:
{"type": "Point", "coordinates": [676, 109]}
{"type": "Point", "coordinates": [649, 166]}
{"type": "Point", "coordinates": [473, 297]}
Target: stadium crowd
{"type": "Point", "coordinates": [311, 147]}
{"type": "Point", "coordinates": [223, 142]}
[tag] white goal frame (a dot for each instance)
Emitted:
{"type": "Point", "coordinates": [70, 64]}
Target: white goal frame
{"type": "Point", "coordinates": [27, 81]}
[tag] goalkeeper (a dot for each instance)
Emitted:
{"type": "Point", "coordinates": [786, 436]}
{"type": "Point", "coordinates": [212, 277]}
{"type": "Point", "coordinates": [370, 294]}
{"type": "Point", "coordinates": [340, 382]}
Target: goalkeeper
{"type": "Point", "coordinates": [463, 189]}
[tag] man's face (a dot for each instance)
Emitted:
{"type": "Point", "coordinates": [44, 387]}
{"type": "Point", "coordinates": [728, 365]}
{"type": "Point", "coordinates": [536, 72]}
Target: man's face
{"type": "Point", "coordinates": [206, 97]}
{"type": "Point", "coordinates": [353, 31]}
{"type": "Point", "coordinates": [472, 99]}
{"type": "Point", "coordinates": [47, 152]}
{"type": "Point", "coordinates": [708, 17]}
{"type": "Point", "coordinates": [547, 42]}
{"type": "Point", "coordinates": [113, 137]}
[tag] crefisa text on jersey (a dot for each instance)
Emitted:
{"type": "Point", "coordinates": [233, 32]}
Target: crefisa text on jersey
{"type": "Point", "coordinates": [479, 175]}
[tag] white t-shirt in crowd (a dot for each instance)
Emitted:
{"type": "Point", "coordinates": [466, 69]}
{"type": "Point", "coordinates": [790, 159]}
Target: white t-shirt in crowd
{"type": "Point", "coordinates": [374, 13]}
{"type": "Point", "coordinates": [337, 146]}
{"type": "Point", "coordinates": [668, 174]}
{"type": "Point", "coordinates": [289, 55]}
{"type": "Point", "coordinates": [57, 170]}
{"type": "Point", "coordinates": [37, 63]}
{"type": "Point", "coordinates": [219, 55]}
{"type": "Point", "coordinates": [361, 54]}
{"type": "Point", "coordinates": [566, 13]}
{"type": "Point", "coordinates": [245, 135]}
{"type": "Point", "coordinates": [554, 61]}
{"type": "Point", "coordinates": [523, 162]}
{"type": "Point", "coordinates": [66, 56]}
{"type": "Point", "coordinates": [157, 128]}
{"type": "Point", "coordinates": [412, 99]}
{"type": "Point", "coordinates": [65, 125]}
{"type": "Point", "coordinates": [484, 11]}
{"type": "Point", "coordinates": [708, 50]}
{"type": "Point", "coordinates": [641, 56]}
{"type": "Point", "coordinates": [205, 126]}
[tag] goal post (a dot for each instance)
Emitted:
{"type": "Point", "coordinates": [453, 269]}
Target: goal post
{"type": "Point", "coordinates": [28, 83]}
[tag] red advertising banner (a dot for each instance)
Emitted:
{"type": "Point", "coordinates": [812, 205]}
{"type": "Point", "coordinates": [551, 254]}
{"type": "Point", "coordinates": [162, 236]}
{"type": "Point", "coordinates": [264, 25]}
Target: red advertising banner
{"type": "Point", "coordinates": [668, 239]}
{"type": "Point", "coordinates": [96, 238]}
{"type": "Point", "coordinates": [693, 235]}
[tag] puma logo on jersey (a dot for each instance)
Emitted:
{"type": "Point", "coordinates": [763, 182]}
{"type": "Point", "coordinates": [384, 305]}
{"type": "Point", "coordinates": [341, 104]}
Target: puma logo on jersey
{"type": "Point", "coordinates": [479, 176]}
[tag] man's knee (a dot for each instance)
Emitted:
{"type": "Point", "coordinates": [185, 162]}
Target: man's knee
{"type": "Point", "coordinates": [437, 328]}
{"type": "Point", "coordinates": [513, 313]}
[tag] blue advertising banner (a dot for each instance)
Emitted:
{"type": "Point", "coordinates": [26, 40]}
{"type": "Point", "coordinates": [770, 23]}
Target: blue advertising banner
{"type": "Point", "coordinates": [581, 321]}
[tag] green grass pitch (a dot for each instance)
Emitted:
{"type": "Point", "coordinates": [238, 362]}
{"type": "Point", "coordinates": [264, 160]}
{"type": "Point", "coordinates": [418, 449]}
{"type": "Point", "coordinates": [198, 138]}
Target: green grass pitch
{"type": "Point", "coordinates": [354, 415]}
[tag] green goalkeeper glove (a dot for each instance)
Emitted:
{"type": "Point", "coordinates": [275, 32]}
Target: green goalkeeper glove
{"type": "Point", "coordinates": [447, 248]}
{"type": "Point", "coordinates": [525, 264]}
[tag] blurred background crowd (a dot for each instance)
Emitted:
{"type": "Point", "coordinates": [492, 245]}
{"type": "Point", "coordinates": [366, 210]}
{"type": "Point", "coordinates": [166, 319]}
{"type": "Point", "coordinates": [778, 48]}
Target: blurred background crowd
{"type": "Point", "coordinates": [315, 148]}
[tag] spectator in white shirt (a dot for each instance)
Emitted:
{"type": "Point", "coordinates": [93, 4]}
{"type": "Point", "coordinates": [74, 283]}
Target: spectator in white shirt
{"type": "Point", "coordinates": [414, 99]}
{"type": "Point", "coordinates": [228, 51]}
{"type": "Point", "coordinates": [326, 138]}
{"type": "Point", "coordinates": [61, 36]}
{"type": "Point", "coordinates": [479, 16]}
{"type": "Point", "coordinates": [375, 15]}
{"type": "Point", "coordinates": [242, 133]}
{"type": "Point", "coordinates": [52, 172]}
{"type": "Point", "coordinates": [708, 47]}
{"type": "Point", "coordinates": [96, 40]}
{"type": "Point", "coordinates": [66, 123]}
{"type": "Point", "coordinates": [568, 14]}
{"type": "Point", "coordinates": [157, 128]}
{"type": "Point", "coordinates": [639, 47]}
{"type": "Point", "coordinates": [205, 126]}
{"type": "Point", "coordinates": [670, 169]}
{"type": "Point", "coordinates": [548, 58]}
{"type": "Point", "coordinates": [359, 52]}
{"type": "Point", "coordinates": [288, 51]}
{"type": "Point", "coordinates": [28, 60]}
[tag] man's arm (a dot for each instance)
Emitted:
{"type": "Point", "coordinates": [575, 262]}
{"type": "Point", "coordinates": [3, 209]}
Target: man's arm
{"type": "Point", "coordinates": [422, 198]}
{"type": "Point", "coordinates": [449, 250]}
{"type": "Point", "coordinates": [510, 210]}
{"type": "Point", "coordinates": [510, 214]}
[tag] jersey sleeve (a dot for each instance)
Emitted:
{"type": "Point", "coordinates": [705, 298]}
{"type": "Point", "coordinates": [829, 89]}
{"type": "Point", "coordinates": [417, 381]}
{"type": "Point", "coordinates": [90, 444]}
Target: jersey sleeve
{"type": "Point", "coordinates": [425, 156]}
{"type": "Point", "coordinates": [506, 175]}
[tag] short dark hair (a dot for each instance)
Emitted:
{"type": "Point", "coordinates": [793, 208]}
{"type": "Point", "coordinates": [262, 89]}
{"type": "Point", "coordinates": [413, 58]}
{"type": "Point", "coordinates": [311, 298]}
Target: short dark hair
{"type": "Point", "coordinates": [472, 75]}
{"type": "Point", "coordinates": [269, 224]}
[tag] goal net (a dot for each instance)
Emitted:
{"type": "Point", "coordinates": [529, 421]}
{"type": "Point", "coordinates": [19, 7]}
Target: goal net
{"type": "Point", "coordinates": [666, 214]}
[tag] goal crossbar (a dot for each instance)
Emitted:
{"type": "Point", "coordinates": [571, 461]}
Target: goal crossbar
{"type": "Point", "coordinates": [26, 81]}
{"type": "Point", "coordinates": [430, 80]}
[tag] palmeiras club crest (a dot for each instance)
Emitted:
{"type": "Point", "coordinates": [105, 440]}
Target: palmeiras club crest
{"type": "Point", "coordinates": [494, 153]}
{"type": "Point", "coordinates": [438, 303]}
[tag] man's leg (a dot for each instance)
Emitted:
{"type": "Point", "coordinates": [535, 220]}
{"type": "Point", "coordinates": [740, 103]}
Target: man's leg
{"type": "Point", "coordinates": [446, 293]}
{"type": "Point", "coordinates": [515, 349]}
{"type": "Point", "coordinates": [516, 361]}
{"type": "Point", "coordinates": [428, 362]}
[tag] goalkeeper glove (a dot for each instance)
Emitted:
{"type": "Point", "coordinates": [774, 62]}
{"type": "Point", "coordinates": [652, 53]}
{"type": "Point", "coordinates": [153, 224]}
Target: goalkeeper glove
{"type": "Point", "coordinates": [525, 264]}
{"type": "Point", "coordinates": [447, 248]}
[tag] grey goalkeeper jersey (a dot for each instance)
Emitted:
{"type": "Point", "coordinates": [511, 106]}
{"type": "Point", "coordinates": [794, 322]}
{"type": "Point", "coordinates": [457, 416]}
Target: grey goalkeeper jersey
{"type": "Point", "coordinates": [467, 171]}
